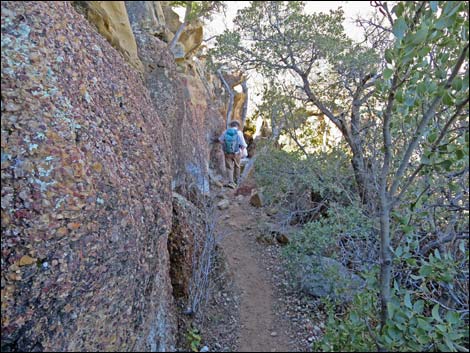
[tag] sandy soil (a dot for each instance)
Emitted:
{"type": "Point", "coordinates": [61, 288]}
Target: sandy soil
{"type": "Point", "coordinates": [260, 329]}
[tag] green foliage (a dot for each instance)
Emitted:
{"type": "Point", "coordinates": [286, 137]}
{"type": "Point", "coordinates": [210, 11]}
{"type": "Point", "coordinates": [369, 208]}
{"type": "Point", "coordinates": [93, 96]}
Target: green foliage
{"type": "Point", "coordinates": [416, 322]}
{"type": "Point", "coordinates": [414, 325]}
{"type": "Point", "coordinates": [250, 127]}
{"type": "Point", "coordinates": [283, 174]}
{"type": "Point", "coordinates": [351, 332]}
{"type": "Point", "coordinates": [274, 30]}
{"type": "Point", "coordinates": [428, 45]}
{"type": "Point", "coordinates": [199, 10]}
{"type": "Point", "coordinates": [407, 99]}
{"type": "Point", "coordinates": [299, 129]}
{"type": "Point", "coordinates": [321, 238]}
{"type": "Point", "coordinates": [194, 339]}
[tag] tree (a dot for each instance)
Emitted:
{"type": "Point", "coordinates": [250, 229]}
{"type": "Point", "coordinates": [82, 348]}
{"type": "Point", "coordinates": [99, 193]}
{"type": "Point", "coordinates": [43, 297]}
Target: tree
{"type": "Point", "coordinates": [195, 10]}
{"type": "Point", "coordinates": [279, 39]}
{"type": "Point", "coordinates": [400, 99]}
{"type": "Point", "coordinates": [414, 96]}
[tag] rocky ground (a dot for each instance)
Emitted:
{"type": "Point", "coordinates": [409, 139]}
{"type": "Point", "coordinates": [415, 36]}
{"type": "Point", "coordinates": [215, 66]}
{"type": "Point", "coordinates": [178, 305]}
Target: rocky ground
{"type": "Point", "coordinates": [253, 306]}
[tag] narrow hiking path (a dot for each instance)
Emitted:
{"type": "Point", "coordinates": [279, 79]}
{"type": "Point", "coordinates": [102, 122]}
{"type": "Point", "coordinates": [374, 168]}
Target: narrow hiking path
{"type": "Point", "coordinates": [259, 329]}
{"type": "Point", "coordinates": [263, 326]}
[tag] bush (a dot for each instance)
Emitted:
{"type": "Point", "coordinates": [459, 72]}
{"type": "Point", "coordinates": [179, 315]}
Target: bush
{"type": "Point", "coordinates": [417, 321]}
{"type": "Point", "coordinates": [428, 310]}
{"type": "Point", "coordinates": [350, 332]}
{"type": "Point", "coordinates": [345, 234]}
{"type": "Point", "coordinates": [302, 186]}
{"type": "Point", "coordinates": [413, 326]}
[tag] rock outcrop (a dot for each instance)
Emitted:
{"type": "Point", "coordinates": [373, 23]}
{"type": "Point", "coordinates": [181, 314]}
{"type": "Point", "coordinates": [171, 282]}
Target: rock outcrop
{"type": "Point", "coordinates": [191, 38]}
{"type": "Point", "coordinates": [111, 21]}
{"type": "Point", "coordinates": [171, 17]}
{"type": "Point", "coordinates": [86, 191]}
{"type": "Point", "coordinates": [194, 122]}
{"type": "Point", "coordinates": [100, 127]}
{"type": "Point", "coordinates": [239, 101]}
{"type": "Point", "coordinates": [187, 231]}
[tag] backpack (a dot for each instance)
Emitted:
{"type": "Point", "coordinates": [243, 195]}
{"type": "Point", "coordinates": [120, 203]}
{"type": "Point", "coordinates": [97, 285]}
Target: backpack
{"type": "Point", "coordinates": [231, 144]}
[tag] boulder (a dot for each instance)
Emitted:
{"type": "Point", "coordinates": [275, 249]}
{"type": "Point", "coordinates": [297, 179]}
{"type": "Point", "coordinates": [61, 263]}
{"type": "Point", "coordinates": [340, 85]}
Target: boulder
{"type": "Point", "coordinates": [86, 195]}
{"type": "Point", "coordinates": [172, 19]}
{"type": "Point", "coordinates": [179, 51]}
{"type": "Point", "coordinates": [256, 198]}
{"type": "Point", "coordinates": [326, 277]}
{"type": "Point", "coordinates": [192, 37]}
{"type": "Point", "coordinates": [275, 232]}
{"type": "Point", "coordinates": [281, 238]}
{"type": "Point", "coordinates": [245, 189]}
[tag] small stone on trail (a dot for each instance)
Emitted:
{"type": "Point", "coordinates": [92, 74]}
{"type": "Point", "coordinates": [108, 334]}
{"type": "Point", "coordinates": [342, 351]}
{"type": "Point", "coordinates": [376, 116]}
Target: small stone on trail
{"type": "Point", "coordinates": [256, 198]}
{"type": "Point", "coordinates": [223, 204]}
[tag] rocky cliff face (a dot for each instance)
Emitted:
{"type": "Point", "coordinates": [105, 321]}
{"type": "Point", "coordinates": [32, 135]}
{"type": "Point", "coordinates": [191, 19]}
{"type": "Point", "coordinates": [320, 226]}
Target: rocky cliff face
{"type": "Point", "coordinates": [184, 97]}
{"type": "Point", "coordinates": [97, 129]}
{"type": "Point", "coordinates": [111, 21]}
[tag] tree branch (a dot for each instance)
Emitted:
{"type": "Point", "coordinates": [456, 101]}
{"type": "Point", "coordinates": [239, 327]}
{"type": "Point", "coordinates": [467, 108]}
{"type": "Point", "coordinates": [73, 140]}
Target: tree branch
{"type": "Point", "coordinates": [231, 96]}
{"type": "Point", "coordinates": [433, 149]}
{"type": "Point", "coordinates": [424, 121]}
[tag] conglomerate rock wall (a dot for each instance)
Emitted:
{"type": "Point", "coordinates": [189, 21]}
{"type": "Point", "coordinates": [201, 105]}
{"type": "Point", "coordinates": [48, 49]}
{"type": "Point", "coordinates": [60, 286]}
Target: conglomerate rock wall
{"type": "Point", "coordinates": [106, 146]}
{"type": "Point", "coordinates": [185, 100]}
{"type": "Point", "coordinates": [86, 203]}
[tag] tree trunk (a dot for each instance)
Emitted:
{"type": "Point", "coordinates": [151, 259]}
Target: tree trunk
{"type": "Point", "coordinates": [352, 137]}
{"type": "Point", "coordinates": [231, 97]}
{"type": "Point", "coordinates": [386, 259]}
{"type": "Point", "coordinates": [245, 103]}
{"type": "Point", "coordinates": [189, 5]}
{"type": "Point", "coordinates": [177, 36]}
{"type": "Point", "coordinates": [361, 177]}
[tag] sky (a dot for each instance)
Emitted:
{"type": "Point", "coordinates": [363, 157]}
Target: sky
{"type": "Point", "coordinates": [351, 10]}
{"type": "Point", "coordinates": [220, 22]}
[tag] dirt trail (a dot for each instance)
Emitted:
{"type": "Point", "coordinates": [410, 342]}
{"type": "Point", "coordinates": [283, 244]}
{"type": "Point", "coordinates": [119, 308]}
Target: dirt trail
{"type": "Point", "coordinates": [260, 331]}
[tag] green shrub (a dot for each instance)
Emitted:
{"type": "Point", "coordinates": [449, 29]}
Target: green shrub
{"type": "Point", "coordinates": [194, 339]}
{"type": "Point", "coordinates": [416, 322]}
{"type": "Point", "coordinates": [351, 332]}
{"type": "Point", "coordinates": [288, 177]}
{"type": "Point", "coordinates": [345, 234]}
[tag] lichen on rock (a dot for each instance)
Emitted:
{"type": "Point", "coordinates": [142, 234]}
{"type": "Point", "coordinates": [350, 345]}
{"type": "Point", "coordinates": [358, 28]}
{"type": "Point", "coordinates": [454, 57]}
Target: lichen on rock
{"type": "Point", "coordinates": [86, 191]}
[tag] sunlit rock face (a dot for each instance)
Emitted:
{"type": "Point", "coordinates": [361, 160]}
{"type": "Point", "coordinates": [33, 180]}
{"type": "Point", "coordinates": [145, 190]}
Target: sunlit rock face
{"type": "Point", "coordinates": [187, 103]}
{"type": "Point", "coordinates": [99, 125]}
{"type": "Point", "coordinates": [111, 21]}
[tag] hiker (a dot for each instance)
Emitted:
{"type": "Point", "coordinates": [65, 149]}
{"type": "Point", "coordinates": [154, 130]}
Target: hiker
{"type": "Point", "coordinates": [233, 145]}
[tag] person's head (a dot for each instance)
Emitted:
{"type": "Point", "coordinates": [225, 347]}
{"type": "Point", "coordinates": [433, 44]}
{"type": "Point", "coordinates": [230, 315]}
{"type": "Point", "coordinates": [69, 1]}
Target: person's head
{"type": "Point", "coordinates": [234, 124]}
